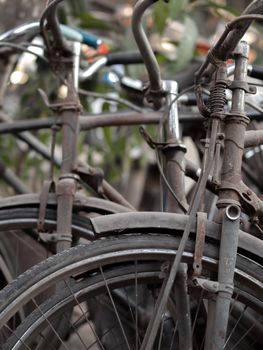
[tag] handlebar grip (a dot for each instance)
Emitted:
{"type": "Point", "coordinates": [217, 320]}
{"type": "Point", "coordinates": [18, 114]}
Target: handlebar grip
{"type": "Point", "coordinates": [256, 72]}
{"type": "Point", "coordinates": [80, 36]}
{"type": "Point", "coordinates": [124, 58]}
{"type": "Point", "coordinates": [89, 39]}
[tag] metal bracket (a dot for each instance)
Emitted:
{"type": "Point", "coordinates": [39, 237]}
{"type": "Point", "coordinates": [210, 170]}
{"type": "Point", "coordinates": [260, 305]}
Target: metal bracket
{"type": "Point", "coordinates": [162, 146]}
{"type": "Point", "coordinates": [199, 243]}
{"type": "Point", "coordinates": [91, 176]}
{"type": "Point", "coordinates": [153, 144]}
{"type": "Point", "coordinates": [48, 187]}
{"type": "Point", "coordinates": [165, 267]}
{"type": "Point", "coordinates": [60, 106]}
{"type": "Point", "coordinates": [48, 237]}
{"type": "Point", "coordinates": [51, 240]}
{"type": "Point", "coordinates": [240, 84]}
{"type": "Point", "coordinates": [249, 200]}
{"type": "Point", "coordinates": [206, 285]}
{"type": "Point", "coordinates": [154, 97]}
{"type": "Point", "coordinates": [213, 286]}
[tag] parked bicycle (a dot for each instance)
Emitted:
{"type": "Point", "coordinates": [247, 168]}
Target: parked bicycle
{"type": "Point", "coordinates": [157, 280]}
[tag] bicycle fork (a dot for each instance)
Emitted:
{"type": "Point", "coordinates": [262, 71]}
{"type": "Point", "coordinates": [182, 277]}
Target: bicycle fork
{"type": "Point", "coordinates": [229, 203]}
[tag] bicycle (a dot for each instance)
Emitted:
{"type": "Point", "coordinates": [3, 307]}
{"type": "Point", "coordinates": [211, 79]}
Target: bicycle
{"type": "Point", "coordinates": [147, 262]}
{"type": "Point", "coordinates": [24, 209]}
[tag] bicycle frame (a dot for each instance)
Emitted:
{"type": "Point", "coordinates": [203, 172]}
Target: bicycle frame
{"type": "Point", "coordinates": [225, 131]}
{"type": "Point", "coordinates": [230, 199]}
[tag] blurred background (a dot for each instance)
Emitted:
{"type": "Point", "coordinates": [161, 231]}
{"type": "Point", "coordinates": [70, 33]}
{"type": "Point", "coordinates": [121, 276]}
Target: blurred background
{"type": "Point", "coordinates": [181, 33]}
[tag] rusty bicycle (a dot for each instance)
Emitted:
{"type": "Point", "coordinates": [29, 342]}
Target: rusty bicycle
{"type": "Point", "coordinates": [155, 280]}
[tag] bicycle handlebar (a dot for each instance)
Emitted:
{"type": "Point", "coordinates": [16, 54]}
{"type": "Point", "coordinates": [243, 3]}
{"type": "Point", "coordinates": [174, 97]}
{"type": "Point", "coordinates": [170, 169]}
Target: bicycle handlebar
{"type": "Point", "coordinates": [112, 59]}
{"type": "Point", "coordinates": [50, 15]}
{"type": "Point", "coordinates": [33, 28]}
{"type": "Point", "coordinates": [156, 88]}
{"type": "Point", "coordinates": [124, 58]}
{"type": "Point", "coordinates": [255, 71]}
{"type": "Point", "coordinates": [230, 38]}
{"type": "Point", "coordinates": [15, 33]}
{"type": "Point", "coordinates": [221, 50]}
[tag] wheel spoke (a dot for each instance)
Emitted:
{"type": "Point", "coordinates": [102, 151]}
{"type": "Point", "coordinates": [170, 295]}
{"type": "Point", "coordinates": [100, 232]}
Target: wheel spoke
{"type": "Point", "coordinates": [233, 303]}
{"type": "Point", "coordinates": [78, 335]}
{"type": "Point", "coordinates": [173, 336]}
{"type": "Point", "coordinates": [137, 340]}
{"type": "Point", "coordinates": [244, 336]}
{"type": "Point", "coordinates": [200, 300]}
{"type": "Point", "coordinates": [115, 309]}
{"type": "Point", "coordinates": [84, 314]}
{"type": "Point", "coordinates": [50, 325]}
{"type": "Point", "coordinates": [161, 334]}
{"type": "Point", "coordinates": [124, 284]}
{"type": "Point", "coordinates": [47, 342]}
{"type": "Point", "coordinates": [17, 337]}
{"type": "Point", "coordinates": [236, 325]}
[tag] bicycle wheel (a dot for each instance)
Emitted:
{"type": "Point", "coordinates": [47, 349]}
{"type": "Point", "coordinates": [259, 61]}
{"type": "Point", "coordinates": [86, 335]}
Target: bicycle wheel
{"type": "Point", "coordinates": [21, 246]}
{"type": "Point", "coordinates": [121, 278]}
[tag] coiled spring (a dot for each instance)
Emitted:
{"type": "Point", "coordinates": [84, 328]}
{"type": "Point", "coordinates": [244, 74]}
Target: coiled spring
{"type": "Point", "coordinates": [217, 100]}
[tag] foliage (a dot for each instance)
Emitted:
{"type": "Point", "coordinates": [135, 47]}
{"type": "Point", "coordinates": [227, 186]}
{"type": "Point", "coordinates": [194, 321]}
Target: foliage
{"type": "Point", "coordinates": [113, 145]}
{"type": "Point", "coordinates": [91, 22]}
{"type": "Point", "coordinates": [162, 11]}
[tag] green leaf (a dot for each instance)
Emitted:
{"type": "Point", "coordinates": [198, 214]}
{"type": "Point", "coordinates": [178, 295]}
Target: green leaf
{"type": "Point", "coordinates": [108, 136]}
{"type": "Point", "coordinates": [227, 8]}
{"type": "Point", "coordinates": [160, 15]}
{"type": "Point", "coordinates": [162, 11]}
{"type": "Point", "coordinates": [214, 5]}
{"type": "Point", "coordinates": [89, 21]}
{"type": "Point", "coordinates": [177, 7]}
{"type": "Point", "coordinates": [186, 47]}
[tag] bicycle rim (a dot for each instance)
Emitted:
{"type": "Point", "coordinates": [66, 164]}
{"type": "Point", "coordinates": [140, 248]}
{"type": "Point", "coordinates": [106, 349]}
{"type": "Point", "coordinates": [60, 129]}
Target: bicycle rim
{"type": "Point", "coordinates": [21, 245]}
{"type": "Point", "coordinates": [111, 276]}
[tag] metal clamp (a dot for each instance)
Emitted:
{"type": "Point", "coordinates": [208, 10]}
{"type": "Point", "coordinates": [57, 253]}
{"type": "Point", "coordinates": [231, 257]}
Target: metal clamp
{"type": "Point", "coordinates": [243, 85]}
{"type": "Point", "coordinates": [60, 106]}
{"type": "Point", "coordinates": [153, 144]}
{"type": "Point", "coordinates": [248, 199]}
{"type": "Point", "coordinates": [206, 285]}
{"type": "Point", "coordinates": [213, 286]}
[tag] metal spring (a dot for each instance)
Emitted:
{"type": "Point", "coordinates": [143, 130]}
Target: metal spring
{"type": "Point", "coordinates": [217, 100]}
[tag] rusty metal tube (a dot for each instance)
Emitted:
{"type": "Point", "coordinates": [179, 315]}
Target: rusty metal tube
{"type": "Point", "coordinates": [230, 38]}
{"type": "Point", "coordinates": [253, 138]}
{"type": "Point", "coordinates": [144, 45]}
{"type": "Point", "coordinates": [50, 15]}
{"type": "Point", "coordinates": [236, 123]}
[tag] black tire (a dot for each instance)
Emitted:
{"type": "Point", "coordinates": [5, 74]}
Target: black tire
{"type": "Point", "coordinates": [81, 269]}
{"type": "Point", "coordinates": [20, 246]}
{"type": "Point", "coordinates": [20, 243]}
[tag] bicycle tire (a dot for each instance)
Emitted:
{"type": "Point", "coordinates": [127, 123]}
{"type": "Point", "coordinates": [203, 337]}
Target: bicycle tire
{"type": "Point", "coordinates": [84, 262]}
{"type": "Point", "coordinates": [19, 234]}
